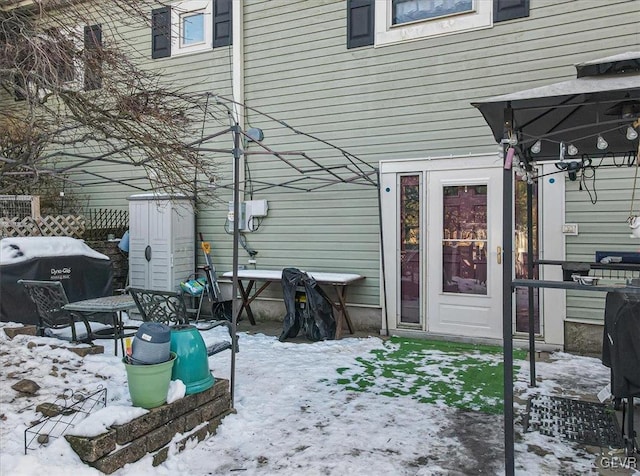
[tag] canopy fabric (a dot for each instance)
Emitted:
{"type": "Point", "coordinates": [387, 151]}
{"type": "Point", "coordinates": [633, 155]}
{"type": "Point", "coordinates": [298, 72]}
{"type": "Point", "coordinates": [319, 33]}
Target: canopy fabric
{"type": "Point", "coordinates": [604, 102]}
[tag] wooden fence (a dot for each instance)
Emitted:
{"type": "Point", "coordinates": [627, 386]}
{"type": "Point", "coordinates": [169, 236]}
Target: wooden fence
{"type": "Point", "coordinates": [73, 226]}
{"type": "Point", "coordinates": [96, 225]}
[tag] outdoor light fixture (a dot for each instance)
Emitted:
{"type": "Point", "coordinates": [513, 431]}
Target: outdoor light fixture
{"type": "Point", "coordinates": [572, 150]}
{"type": "Point", "coordinates": [632, 134]}
{"type": "Point", "coordinates": [571, 167]}
{"type": "Point", "coordinates": [255, 134]}
{"type": "Point", "coordinates": [601, 143]}
{"type": "Point", "coordinates": [536, 147]}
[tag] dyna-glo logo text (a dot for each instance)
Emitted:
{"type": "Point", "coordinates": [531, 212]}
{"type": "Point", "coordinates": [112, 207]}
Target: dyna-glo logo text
{"type": "Point", "coordinates": [61, 273]}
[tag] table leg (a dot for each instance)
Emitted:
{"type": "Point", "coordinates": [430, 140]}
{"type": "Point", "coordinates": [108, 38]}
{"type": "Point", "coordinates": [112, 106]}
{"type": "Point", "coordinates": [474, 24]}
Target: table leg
{"type": "Point", "coordinates": [118, 331]}
{"type": "Point", "coordinates": [245, 300]}
{"type": "Point", "coordinates": [343, 314]}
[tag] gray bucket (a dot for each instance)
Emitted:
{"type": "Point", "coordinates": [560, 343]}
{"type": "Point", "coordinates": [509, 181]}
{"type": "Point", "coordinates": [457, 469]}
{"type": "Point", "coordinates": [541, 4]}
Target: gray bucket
{"type": "Point", "coordinates": [151, 344]}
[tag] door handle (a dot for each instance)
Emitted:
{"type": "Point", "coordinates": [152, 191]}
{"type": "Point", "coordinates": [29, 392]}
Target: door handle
{"type": "Point", "coordinates": [499, 254]}
{"type": "Point", "coordinates": [147, 253]}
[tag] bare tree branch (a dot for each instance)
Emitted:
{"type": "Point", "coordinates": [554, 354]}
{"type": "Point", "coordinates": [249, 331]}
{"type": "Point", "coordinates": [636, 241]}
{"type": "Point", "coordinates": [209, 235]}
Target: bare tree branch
{"type": "Point", "coordinates": [81, 98]}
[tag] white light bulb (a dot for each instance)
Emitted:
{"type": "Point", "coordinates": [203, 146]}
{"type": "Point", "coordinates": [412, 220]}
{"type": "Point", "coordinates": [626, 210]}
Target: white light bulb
{"type": "Point", "coordinates": [632, 134]}
{"type": "Point", "coordinates": [536, 147]}
{"type": "Point", "coordinates": [572, 150]}
{"type": "Point", "coordinates": [601, 143]}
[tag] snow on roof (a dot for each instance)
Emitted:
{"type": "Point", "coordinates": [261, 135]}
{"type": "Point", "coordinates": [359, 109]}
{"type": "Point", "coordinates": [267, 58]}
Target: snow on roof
{"type": "Point", "coordinates": [15, 250]}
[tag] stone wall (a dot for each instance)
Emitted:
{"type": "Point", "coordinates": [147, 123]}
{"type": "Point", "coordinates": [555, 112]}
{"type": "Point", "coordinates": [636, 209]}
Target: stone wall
{"type": "Point", "coordinates": [583, 339]}
{"type": "Point", "coordinates": [195, 416]}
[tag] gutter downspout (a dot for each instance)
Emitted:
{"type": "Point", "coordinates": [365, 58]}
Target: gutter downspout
{"type": "Point", "coordinates": [237, 75]}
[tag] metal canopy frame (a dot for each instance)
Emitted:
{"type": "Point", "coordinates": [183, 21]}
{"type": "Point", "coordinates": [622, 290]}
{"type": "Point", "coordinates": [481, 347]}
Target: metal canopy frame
{"type": "Point", "coordinates": [313, 173]}
{"type": "Point", "coordinates": [603, 100]}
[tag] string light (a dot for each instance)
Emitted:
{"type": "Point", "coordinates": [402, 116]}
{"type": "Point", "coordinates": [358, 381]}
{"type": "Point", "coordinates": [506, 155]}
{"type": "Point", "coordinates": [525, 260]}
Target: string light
{"type": "Point", "coordinates": [601, 143]}
{"type": "Point", "coordinates": [632, 134]}
{"type": "Point", "coordinates": [572, 150]}
{"type": "Point", "coordinates": [536, 147]}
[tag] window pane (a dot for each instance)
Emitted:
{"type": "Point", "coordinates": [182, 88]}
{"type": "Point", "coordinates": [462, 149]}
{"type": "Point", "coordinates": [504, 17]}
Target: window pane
{"type": "Point", "coordinates": [192, 28]}
{"type": "Point", "coordinates": [464, 244]}
{"type": "Point", "coordinates": [405, 11]}
{"type": "Point", "coordinates": [410, 249]}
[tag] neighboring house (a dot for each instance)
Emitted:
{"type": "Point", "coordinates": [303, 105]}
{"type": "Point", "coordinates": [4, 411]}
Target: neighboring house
{"type": "Point", "coordinates": [392, 82]}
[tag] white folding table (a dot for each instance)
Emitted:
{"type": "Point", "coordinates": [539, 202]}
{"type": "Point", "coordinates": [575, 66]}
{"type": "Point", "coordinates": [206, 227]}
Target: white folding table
{"type": "Point", "coordinates": [338, 281]}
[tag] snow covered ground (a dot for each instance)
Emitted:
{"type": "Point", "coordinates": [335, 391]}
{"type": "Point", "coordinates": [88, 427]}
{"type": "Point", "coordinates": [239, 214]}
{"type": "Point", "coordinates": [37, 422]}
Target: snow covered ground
{"type": "Point", "coordinates": [293, 417]}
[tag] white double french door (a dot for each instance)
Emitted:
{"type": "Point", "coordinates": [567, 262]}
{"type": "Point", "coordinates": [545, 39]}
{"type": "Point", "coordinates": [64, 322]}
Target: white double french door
{"type": "Point", "coordinates": [442, 230]}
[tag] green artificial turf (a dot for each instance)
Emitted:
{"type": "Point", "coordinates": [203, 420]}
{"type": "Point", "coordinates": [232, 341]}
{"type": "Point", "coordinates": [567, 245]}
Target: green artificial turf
{"type": "Point", "coordinates": [460, 375]}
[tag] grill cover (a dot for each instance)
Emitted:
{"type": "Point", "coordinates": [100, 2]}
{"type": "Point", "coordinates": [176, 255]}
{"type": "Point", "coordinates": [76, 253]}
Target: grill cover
{"type": "Point", "coordinates": [621, 343]}
{"type": "Point", "coordinates": [83, 272]}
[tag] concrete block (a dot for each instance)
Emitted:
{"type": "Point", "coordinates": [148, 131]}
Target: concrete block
{"type": "Point", "coordinates": [142, 425]}
{"type": "Point", "coordinates": [117, 459]}
{"type": "Point", "coordinates": [163, 435]}
{"type": "Point", "coordinates": [92, 449]}
{"type": "Point", "coordinates": [28, 330]}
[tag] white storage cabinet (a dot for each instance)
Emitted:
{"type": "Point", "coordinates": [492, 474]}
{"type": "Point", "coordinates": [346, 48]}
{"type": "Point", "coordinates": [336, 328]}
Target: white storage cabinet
{"type": "Point", "coordinates": [161, 241]}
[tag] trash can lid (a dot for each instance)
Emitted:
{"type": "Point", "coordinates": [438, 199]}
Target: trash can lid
{"type": "Point", "coordinates": [154, 332]}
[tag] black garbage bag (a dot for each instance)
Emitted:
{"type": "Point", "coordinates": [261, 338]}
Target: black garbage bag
{"type": "Point", "coordinates": [316, 318]}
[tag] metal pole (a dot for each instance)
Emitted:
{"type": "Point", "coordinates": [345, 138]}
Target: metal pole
{"type": "Point", "coordinates": [530, 291]}
{"type": "Point", "coordinates": [236, 235]}
{"type": "Point", "coordinates": [507, 303]}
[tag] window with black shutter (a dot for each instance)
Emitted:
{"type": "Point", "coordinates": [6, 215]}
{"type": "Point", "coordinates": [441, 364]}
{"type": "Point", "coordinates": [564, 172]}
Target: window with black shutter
{"type": "Point", "coordinates": [161, 32]}
{"type": "Point", "coordinates": [510, 9]}
{"type": "Point", "coordinates": [92, 57]}
{"type": "Point", "coordinates": [360, 23]}
{"type": "Point", "coordinates": [19, 88]}
{"type": "Point", "coordinates": [222, 23]}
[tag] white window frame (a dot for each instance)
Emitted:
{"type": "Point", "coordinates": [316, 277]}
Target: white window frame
{"type": "Point", "coordinates": [386, 34]}
{"type": "Point", "coordinates": [178, 10]}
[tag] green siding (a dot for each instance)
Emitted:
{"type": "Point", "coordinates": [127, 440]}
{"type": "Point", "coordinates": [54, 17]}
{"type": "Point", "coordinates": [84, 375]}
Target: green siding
{"type": "Point", "coordinates": [407, 100]}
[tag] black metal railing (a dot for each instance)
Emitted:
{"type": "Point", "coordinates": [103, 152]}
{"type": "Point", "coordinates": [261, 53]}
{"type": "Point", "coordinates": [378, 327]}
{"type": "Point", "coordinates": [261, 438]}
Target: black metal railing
{"type": "Point", "coordinates": [104, 223]}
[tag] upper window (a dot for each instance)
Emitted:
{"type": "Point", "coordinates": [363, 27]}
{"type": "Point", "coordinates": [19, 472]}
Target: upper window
{"type": "Point", "coordinates": [191, 27]}
{"type": "Point", "coordinates": [402, 20]}
{"type": "Point", "coordinates": [407, 11]}
{"type": "Point", "coordinates": [381, 22]}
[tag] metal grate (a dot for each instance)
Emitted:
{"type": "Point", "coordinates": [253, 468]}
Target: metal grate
{"type": "Point", "coordinates": [72, 407]}
{"type": "Point", "coordinates": [584, 422]}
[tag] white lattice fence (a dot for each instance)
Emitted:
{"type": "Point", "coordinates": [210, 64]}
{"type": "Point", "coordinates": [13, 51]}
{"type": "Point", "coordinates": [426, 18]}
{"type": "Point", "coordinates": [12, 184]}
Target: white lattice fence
{"type": "Point", "coordinates": [49, 225]}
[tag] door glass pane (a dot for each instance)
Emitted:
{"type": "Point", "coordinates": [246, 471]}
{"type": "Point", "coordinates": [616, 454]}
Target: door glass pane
{"type": "Point", "coordinates": [521, 257]}
{"type": "Point", "coordinates": [464, 243]}
{"type": "Point", "coordinates": [410, 249]}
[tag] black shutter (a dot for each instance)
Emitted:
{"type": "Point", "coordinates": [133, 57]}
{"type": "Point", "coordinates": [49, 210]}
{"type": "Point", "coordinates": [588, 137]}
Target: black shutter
{"type": "Point", "coordinates": [510, 9]}
{"type": "Point", "coordinates": [19, 88]}
{"type": "Point", "coordinates": [360, 23]}
{"type": "Point", "coordinates": [161, 32]}
{"type": "Point", "coordinates": [93, 60]}
{"type": "Point", "coordinates": [222, 23]}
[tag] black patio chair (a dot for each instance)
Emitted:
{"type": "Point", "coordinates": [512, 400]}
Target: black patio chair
{"type": "Point", "coordinates": [49, 298]}
{"type": "Point", "coordinates": [169, 308]}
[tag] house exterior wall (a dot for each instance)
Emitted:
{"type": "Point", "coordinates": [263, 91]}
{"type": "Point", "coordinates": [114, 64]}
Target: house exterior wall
{"type": "Point", "coordinates": [399, 101]}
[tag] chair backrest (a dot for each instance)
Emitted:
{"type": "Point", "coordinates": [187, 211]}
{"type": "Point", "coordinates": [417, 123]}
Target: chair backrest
{"type": "Point", "coordinates": [160, 306]}
{"type": "Point", "coordinates": [49, 297]}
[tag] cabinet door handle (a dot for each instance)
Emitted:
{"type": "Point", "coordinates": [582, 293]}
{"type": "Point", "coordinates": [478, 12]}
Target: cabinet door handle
{"type": "Point", "coordinates": [147, 253]}
{"type": "Point", "coordinates": [499, 254]}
